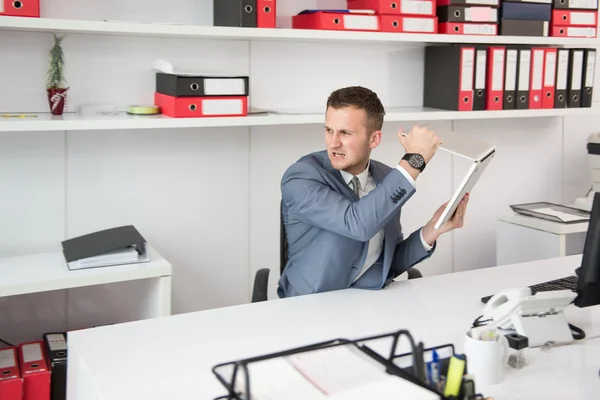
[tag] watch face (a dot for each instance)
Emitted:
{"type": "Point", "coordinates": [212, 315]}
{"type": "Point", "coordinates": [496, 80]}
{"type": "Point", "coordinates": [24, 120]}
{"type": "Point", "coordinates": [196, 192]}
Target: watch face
{"type": "Point", "coordinates": [416, 161]}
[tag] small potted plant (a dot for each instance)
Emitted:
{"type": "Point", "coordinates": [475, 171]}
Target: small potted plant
{"type": "Point", "coordinates": [56, 83]}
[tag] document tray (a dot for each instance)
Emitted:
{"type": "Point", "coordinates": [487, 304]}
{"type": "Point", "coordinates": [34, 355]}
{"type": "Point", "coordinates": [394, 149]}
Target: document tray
{"type": "Point", "coordinates": [312, 372]}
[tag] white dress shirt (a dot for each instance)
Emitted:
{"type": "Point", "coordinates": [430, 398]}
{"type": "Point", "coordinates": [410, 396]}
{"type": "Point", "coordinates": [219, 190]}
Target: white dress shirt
{"type": "Point", "coordinates": [367, 183]}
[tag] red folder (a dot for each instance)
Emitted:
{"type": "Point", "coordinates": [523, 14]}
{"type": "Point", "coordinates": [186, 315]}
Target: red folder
{"type": "Point", "coordinates": [35, 371]}
{"type": "Point", "coordinates": [574, 18]}
{"type": "Point", "coordinates": [467, 68]}
{"type": "Point", "coordinates": [495, 77]}
{"type": "Point", "coordinates": [331, 20]}
{"type": "Point", "coordinates": [408, 24]}
{"type": "Point", "coordinates": [395, 7]}
{"type": "Point", "coordinates": [211, 106]}
{"type": "Point", "coordinates": [536, 77]}
{"type": "Point", "coordinates": [11, 383]}
{"type": "Point", "coordinates": [574, 31]}
{"type": "Point", "coordinates": [549, 77]}
{"type": "Point", "coordinates": [20, 8]}
{"type": "Point", "coordinates": [379, 6]}
{"type": "Point", "coordinates": [266, 16]}
{"type": "Point", "coordinates": [468, 28]}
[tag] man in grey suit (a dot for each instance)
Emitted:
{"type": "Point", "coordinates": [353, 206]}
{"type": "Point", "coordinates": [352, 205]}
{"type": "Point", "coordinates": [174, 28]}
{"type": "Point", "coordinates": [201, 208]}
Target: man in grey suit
{"type": "Point", "coordinates": [341, 210]}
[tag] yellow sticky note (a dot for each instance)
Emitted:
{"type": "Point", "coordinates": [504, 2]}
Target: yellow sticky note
{"type": "Point", "coordinates": [456, 370]}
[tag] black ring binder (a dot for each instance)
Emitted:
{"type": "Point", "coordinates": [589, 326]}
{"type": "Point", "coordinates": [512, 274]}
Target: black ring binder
{"type": "Point", "coordinates": [414, 373]}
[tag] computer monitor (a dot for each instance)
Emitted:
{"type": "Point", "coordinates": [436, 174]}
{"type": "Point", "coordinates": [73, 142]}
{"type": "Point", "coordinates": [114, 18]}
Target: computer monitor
{"type": "Point", "coordinates": [588, 283]}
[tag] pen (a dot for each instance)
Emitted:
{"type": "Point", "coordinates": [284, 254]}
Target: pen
{"type": "Point", "coordinates": [17, 116]}
{"type": "Point", "coordinates": [435, 368]}
{"type": "Point", "coordinates": [403, 133]}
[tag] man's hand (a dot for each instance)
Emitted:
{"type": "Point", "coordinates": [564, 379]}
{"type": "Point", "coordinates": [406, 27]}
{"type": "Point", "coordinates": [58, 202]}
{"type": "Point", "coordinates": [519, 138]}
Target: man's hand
{"type": "Point", "coordinates": [420, 140]}
{"type": "Point", "coordinates": [430, 234]}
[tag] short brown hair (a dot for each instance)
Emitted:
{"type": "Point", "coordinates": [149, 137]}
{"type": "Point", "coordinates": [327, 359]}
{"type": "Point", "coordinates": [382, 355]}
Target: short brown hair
{"type": "Point", "coordinates": [361, 98]}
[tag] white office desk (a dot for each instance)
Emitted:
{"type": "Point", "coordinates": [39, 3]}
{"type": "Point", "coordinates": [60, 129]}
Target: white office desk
{"type": "Point", "coordinates": [172, 357]}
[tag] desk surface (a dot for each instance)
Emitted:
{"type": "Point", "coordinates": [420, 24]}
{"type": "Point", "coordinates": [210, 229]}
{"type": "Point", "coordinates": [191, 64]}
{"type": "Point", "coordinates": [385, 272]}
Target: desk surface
{"type": "Point", "coordinates": [48, 271]}
{"type": "Point", "coordinates": [172, 357]}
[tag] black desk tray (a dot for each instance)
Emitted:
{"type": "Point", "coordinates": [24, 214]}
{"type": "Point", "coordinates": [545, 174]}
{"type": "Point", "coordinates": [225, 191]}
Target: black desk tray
{"type": "Point", "coordinates": [409, 366]}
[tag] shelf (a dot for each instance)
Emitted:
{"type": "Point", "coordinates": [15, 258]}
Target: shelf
{"type": "Point", "coordinates": [48, 271]}
{"type": "Point", "coordinates": [78, 122]}
{"type": "Point", "coordinates": [254, 34]}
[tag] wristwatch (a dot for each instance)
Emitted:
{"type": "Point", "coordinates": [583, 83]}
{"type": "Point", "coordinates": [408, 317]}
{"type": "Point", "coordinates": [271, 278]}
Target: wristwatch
{"type": "Point", "coordinates": [415, 160]}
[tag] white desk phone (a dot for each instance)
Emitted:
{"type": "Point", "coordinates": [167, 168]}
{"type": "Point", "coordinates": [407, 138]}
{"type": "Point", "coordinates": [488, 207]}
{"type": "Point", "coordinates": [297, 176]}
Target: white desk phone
{"type": "Point", "coordinates": [540, 317]}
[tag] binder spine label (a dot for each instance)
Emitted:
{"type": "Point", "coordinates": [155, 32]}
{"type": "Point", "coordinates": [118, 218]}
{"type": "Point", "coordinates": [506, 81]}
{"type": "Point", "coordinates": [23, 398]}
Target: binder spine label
{"type": "Point", "coordinates": [32, 352]}
{"type": "Point", "coordinates": [498, 70]}
{"type": "Point", "coordinates": [577, 70]}
{"type": "Point", "coordinates": [224, 87]}
{"type": "Point", "coordinates": [511, 70]}
{"type": "Point", "coordinates": [481, 14]}
{"type": "Point", "coordinates": [480, 70]}
{"type": "Point", "coordinates": [538, 70]}
{"type": "Point", "coordinates": [362, 22]}
{"type": "Point", "coordinates": [591, 68]}
{"type": "Point", "coordinates": [483, 2]}
{"type": "Point", "coordinates": [222, 107]}
{"type": "Point", "coordinates": [466, 83]}
{"type": "Point", "coordinates": [479, 29]}
{"type": "Point", "coordinates": [7, 359]}
{"type": "Point", "coordinates": [1, 6]}
{"type": "Point", "coordinates": [573, 31]}
{"type": "Point", "coordinates": [524, 68]}
{"type": "Point", "coordinates": [416, 7]}
{"type": "Point", "coordinates": [583, 4]}
{"type": "Point", "coordinates": [550, 68]}
{"type": "Point", "coordinates": [562, 70]}
{"type": "Point", "coordinates": [57, 342]}
{"type": "Point", "coordinates": [583, 18]}
{"type": "Point", "coordinates": [418, 24]}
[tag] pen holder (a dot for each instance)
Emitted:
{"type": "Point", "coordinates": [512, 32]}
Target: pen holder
{"type": "Point", "coordinates": [446, 372]}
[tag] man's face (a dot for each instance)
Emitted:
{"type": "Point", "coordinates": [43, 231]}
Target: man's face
{"type": "Point", "coordinates": [348, 141]}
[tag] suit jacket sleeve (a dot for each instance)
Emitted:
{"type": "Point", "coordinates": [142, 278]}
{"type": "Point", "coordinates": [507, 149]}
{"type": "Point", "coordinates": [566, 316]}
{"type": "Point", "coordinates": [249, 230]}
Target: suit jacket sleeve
{"type": "Point", "coordinates": [409, 252]}
{"type": "Point", "coordinates": [309, 198]}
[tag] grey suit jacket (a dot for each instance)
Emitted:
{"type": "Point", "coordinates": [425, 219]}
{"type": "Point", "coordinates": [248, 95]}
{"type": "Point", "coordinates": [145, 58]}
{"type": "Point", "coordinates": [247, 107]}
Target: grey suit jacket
{"type": "Point", "coordinates": [328, 228]}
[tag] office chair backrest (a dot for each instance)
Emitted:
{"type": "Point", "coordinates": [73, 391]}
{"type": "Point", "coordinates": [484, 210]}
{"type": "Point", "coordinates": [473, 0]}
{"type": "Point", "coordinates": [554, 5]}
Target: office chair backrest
{"type": "Point", "coordinates": [283, 245]}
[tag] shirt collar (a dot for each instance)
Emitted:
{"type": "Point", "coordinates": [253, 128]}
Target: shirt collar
{"type": "Point", "coordinates": [362, 177]}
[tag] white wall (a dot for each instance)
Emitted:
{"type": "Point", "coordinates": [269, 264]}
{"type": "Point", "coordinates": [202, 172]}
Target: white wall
{"type": "Point", "coordinates": [208, 199]}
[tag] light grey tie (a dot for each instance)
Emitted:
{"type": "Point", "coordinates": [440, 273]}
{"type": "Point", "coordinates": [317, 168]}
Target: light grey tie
{"type": "Point", "coordinates": [355, 185]}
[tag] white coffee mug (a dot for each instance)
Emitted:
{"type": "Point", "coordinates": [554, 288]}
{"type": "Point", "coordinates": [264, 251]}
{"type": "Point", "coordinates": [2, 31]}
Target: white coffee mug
{"type": "Point", "coordinates": [487, 357]}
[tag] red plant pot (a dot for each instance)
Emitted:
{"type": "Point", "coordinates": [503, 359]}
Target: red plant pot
{"type": "Point", "coordinates": [57, 99]}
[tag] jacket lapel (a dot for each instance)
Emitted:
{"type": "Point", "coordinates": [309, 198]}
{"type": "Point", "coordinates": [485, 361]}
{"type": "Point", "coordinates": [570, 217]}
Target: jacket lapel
{"type": "Point", "coordinates": [390, 235]}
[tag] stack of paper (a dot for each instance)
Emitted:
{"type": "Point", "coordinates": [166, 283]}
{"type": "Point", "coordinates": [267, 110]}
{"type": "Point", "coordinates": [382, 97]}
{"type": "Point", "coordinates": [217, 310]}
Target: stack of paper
{"type": "Point", "coordinates": [336, 373]}
{"type": "Point", "coordinates": [122, 256]}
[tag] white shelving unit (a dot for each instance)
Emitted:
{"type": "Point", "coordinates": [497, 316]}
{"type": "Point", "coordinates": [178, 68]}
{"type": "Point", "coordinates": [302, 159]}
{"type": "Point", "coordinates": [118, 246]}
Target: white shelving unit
{"type": "Point", "coordinates": [75, 121]}
{"type": "Point", "coordinates": [233, 33]}
{"type": "Point", "coordinates": [48, 271]}
{"type": "Point", "coordinates": [78, 122]}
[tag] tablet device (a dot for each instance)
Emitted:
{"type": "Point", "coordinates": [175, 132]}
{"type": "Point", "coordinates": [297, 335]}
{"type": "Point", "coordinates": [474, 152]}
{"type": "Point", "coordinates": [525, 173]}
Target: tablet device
{"type": "Point", "coordinates": [466, 186]}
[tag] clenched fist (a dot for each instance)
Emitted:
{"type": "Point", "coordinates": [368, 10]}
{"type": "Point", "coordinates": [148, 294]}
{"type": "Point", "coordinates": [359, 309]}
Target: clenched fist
{"type": "Point", "coordinates": [420, 140]}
